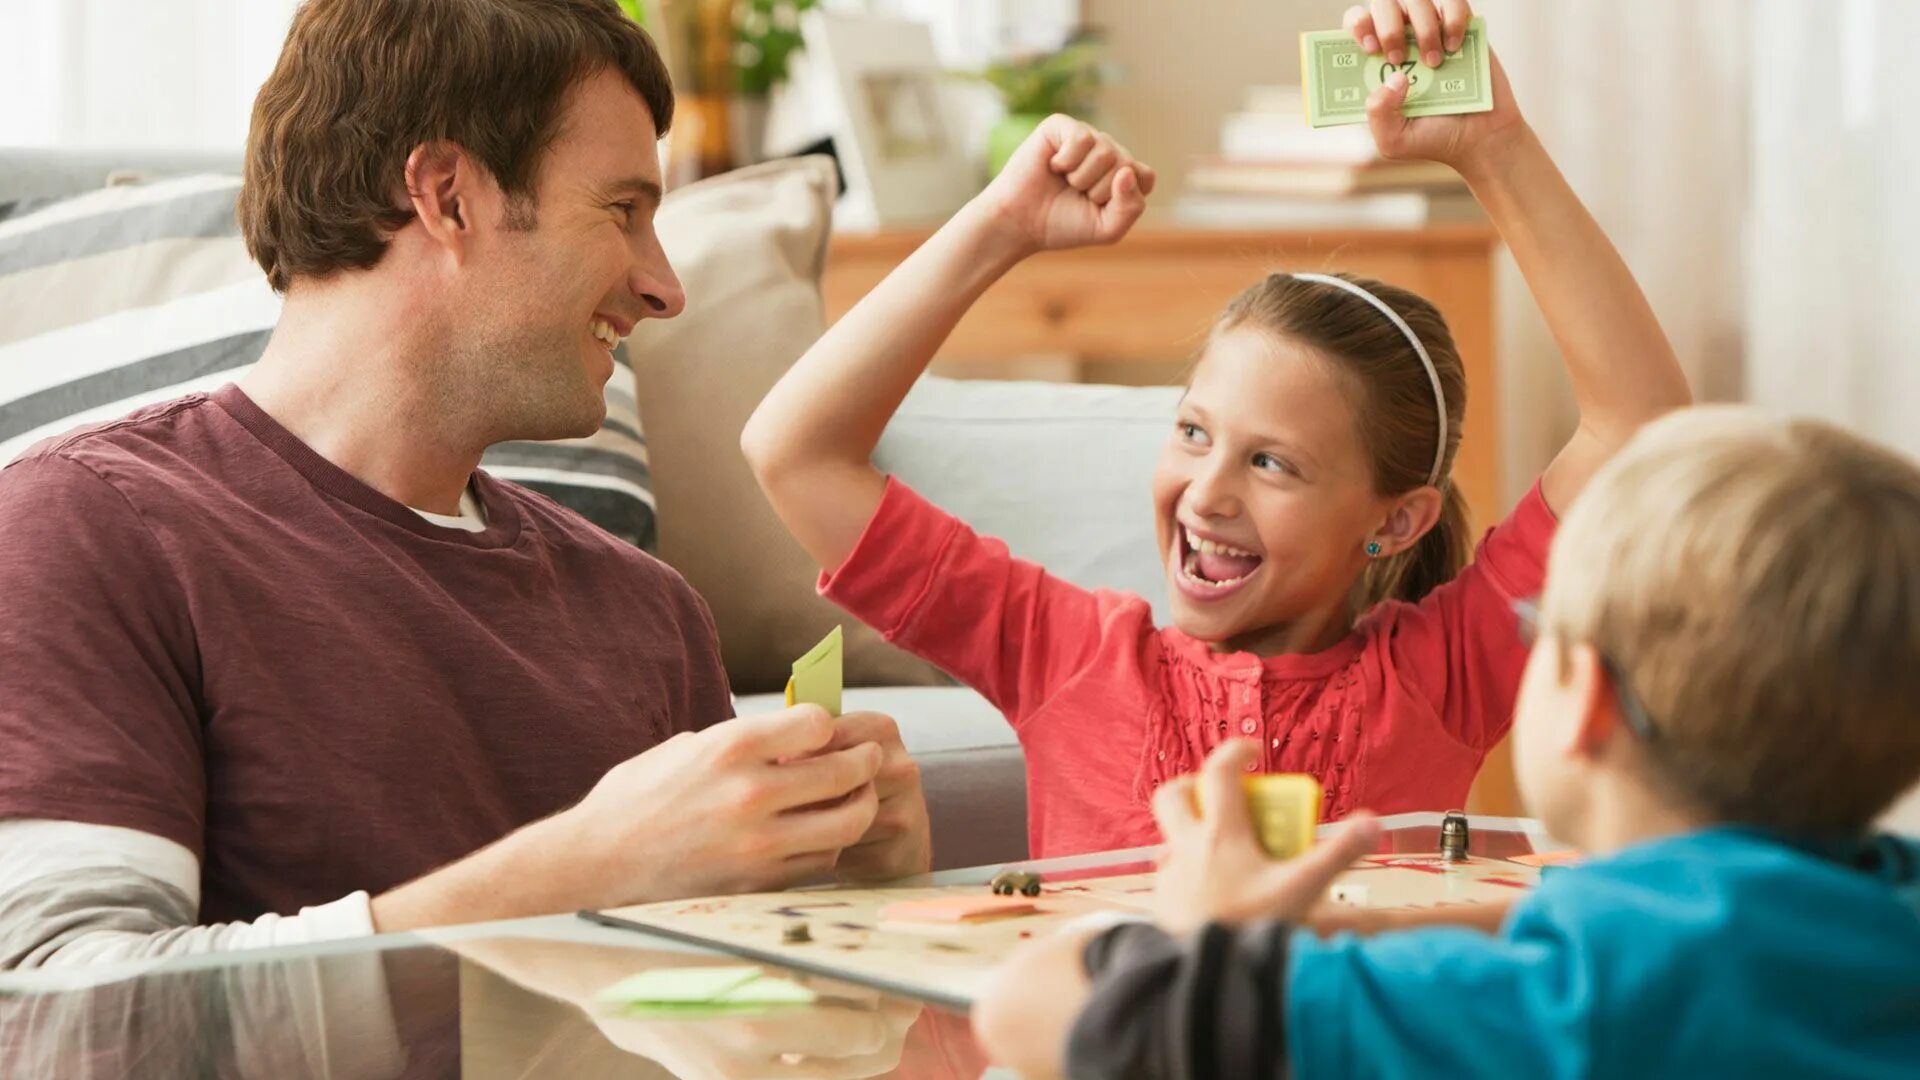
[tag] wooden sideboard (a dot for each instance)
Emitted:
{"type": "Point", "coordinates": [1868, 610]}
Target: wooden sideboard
{"type": "Point", "coordinates": [1151, 298]}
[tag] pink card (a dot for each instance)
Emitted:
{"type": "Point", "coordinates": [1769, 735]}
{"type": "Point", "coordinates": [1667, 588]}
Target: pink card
{"type": "Point", "coordinates": [1548, 858]}
{"type": "Point", "coordinates": [956, 909]}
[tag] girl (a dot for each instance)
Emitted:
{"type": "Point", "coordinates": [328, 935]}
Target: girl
{"type": "Point", "coordinates": [1313, 543]}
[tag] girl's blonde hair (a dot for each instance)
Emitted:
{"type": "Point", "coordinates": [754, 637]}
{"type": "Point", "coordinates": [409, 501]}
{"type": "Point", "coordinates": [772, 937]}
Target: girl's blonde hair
{"type": "Point", "coordinates": [1393, 397]}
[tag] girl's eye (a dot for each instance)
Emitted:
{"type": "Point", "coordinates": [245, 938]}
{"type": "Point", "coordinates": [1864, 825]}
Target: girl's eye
{"type": "Point", "coordinates": [1268, 461]}
{"type": "Point", "coordinates": [1193, 433]}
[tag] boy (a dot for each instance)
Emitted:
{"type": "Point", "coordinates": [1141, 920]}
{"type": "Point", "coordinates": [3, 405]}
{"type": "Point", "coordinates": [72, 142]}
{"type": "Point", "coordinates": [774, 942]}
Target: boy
{"type": "Point", "coordinates": [1719, 704]}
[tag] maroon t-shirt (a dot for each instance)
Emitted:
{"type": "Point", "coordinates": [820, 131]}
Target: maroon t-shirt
{"type": "Point", "coordinates": [210, 633]}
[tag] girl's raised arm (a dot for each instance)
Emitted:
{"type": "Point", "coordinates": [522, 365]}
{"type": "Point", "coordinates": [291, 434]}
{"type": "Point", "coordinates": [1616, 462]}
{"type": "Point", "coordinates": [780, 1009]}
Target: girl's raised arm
{"type": "Point", "coordinates": [811, 441]}
{"type": "Point", "coordinates": [1623, 367]}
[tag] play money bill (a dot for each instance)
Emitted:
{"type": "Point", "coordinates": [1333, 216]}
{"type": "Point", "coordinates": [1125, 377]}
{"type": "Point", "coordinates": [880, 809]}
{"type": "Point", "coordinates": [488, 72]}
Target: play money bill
{"type": "Point", "coordinates": [1337, 77]}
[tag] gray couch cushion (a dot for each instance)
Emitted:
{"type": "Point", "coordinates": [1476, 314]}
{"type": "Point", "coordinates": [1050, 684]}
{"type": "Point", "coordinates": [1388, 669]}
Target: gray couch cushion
{"type": "Point", "coordinates": [1060, 471]}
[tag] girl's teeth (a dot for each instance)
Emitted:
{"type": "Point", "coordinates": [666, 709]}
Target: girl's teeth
{"type": "Point", "coordinates": [1191, 570]}
{"type": "Point", "coordinates": [1208, 547]}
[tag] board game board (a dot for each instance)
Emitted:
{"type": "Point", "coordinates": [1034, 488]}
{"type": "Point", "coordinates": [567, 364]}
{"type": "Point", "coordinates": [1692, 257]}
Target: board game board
{"type": "Point", "coordinates": [949, 964]}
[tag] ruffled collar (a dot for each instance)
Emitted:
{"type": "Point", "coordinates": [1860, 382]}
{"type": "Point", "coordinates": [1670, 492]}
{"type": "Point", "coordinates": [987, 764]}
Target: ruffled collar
{"type": "Point", "coordinates": [1182, 647]}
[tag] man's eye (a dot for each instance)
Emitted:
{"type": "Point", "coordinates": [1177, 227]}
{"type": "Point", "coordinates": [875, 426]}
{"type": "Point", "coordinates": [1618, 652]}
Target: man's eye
{"type": "Point", "coordinates": [625, 208]}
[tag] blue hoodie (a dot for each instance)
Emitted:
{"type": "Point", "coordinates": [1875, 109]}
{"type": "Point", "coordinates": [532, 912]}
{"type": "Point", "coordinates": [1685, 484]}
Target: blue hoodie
{"type": "Point", "coordinates": [1725, 952]}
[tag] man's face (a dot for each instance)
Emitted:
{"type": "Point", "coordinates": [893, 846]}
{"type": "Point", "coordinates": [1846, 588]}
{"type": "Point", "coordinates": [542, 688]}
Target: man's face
{"type": "Point", "coordinates": [553, 283]}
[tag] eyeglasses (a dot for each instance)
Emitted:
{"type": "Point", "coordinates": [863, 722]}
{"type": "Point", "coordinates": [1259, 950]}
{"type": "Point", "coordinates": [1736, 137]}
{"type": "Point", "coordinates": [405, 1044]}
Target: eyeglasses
{"type": "Point", "coordinates": [1526, 613]}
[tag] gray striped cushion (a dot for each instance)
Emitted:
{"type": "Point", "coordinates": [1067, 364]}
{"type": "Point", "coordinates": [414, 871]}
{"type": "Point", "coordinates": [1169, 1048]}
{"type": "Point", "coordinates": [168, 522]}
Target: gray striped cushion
{"type": "Point", "coordinates": [131, 295]}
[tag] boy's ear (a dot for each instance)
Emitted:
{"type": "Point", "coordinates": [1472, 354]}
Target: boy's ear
{"type": "Point", "coordinates": [1590, 688]}
{"type": "Point", "coordinates": [445, 191]}
{"type": "Point", "coordinates": [1413, 514]}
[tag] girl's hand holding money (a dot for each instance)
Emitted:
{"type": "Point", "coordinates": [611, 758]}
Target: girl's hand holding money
{"type": "Point", "coordinates": [1464, 141]}
{"type": "Point", "coordinates": [1213, 868]}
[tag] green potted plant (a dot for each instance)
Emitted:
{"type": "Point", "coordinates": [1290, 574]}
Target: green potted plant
{"type": "Point", "coordinates": [1033, 86]}
{"type": "Point", "coordinates": [727, 57]}
{"type": "Point", "coordinates": [766, 34]}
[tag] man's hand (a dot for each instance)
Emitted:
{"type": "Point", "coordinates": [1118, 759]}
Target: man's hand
{"type": "Point", "coordinates": [1460, 141]}
{"type": "Point", "coordinates": [1214, 869]}
{"type": "Point", "coordinates": [748, 805]}
{"type": "Point", "coordinates": [1069, 185]}
{"type": "Point", "coordinates": [900, 841]}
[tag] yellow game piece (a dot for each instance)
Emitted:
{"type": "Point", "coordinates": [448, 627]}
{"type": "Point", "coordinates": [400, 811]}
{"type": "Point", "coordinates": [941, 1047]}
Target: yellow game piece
{"type": "Point", "coordinates": [818, 676]}
{"type": "Point", "coordinates": [1285, 808]}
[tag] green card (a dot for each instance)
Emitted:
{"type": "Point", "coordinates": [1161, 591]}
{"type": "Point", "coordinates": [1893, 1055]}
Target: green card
{"type": "Point", "coordinates": [1337, 77]}
{"type": "Point", "coordinates": [687, 992]}
{"type": "Point", "coordinates": [679, 986]}
{"type": "Point", "coordinates": [819, 675]}
{"type": "Point", "coordinates": [768, 990]}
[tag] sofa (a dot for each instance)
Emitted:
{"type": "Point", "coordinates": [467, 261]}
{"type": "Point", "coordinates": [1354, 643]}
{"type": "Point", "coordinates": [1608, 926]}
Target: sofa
{"type": "Point", "coordinates": [142, 291]}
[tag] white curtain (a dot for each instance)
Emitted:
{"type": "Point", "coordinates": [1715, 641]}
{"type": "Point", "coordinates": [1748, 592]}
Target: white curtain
{"type": "Point", "coordinates": [134, 74]}
{"type": "Point", "coordinates": [1833, 304]}
{"type": "Point", "coordinates": [1648, 120]}
{"type": "Point", "coordinates": [1833, 324]}
{"type": "Point", "coordinates": [1756, 163]}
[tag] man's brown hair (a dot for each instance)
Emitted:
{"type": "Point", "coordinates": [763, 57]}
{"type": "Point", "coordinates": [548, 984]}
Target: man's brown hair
{"type": "Point", "coordinates": [361, 83]}
{"type": "Point", "coordinates": [1756, 581]}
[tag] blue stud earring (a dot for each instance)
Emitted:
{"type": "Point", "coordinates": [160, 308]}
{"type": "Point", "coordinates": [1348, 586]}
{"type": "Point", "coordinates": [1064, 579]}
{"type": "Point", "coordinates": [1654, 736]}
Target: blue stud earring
{"type": "Point", "coordinates": [1373, 549]}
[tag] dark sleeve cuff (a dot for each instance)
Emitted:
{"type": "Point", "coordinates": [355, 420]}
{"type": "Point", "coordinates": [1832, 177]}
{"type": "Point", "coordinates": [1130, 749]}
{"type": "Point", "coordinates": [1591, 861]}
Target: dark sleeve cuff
{"type": "Point", "coordinates": [1209, 1006]}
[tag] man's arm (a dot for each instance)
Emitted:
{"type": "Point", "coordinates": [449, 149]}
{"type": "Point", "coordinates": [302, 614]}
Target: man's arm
{"type": "Point", "coordinates": [74, 894]}
{"type": "Point", "coordinates": [747, 805]}
{"type": "Point", "coordinates": [98, 635]}
{"type": "Point", "coordinates": [690, 817]}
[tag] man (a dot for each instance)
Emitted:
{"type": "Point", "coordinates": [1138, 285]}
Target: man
{"type": "Point", "coordinates": [278, 664]}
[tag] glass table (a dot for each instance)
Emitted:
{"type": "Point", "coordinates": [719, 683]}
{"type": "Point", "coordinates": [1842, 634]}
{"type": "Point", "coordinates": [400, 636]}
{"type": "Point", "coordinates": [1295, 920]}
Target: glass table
{"type": "Point", "coordinates": [511, 999]}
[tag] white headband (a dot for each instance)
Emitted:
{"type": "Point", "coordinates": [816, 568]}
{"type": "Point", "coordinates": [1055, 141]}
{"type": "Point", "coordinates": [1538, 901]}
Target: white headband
{"type": "Point", "coordinates": [1413, 339]}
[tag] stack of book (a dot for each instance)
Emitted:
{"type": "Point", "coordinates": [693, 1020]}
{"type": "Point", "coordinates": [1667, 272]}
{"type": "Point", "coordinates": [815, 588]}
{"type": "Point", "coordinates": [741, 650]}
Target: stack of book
{"type": "Point", "coordinates": [1275, 172]}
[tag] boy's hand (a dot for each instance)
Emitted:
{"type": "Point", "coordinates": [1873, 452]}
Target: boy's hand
{"type": "Point", "coordinates": [1069, 185]}
{"type": "Point", "coordinates": [1214, 870]}
{"type": "Point", "coordinates": [1438, 25]}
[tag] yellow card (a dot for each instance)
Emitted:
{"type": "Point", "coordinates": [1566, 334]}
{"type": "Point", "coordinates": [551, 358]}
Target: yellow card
{"type": "Point", "coordinates": [1285, 808]}
{"type": "Point", "coordinates": [819, 675]}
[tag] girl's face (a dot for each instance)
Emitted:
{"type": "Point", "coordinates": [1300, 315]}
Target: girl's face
{"type": "Point", "coordinates": [1265, 498]}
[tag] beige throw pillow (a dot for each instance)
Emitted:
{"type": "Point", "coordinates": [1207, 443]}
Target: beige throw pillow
{"type": "Point", "coordinates": [749, 247]}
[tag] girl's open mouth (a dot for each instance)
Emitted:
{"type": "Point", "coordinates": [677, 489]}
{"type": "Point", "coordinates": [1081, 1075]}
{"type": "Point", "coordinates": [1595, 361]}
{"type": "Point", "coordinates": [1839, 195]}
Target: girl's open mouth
{"type": "Point", "coordinates": [1207, 569]}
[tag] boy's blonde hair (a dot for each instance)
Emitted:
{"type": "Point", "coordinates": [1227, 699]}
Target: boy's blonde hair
{"type": "Point", "coordinates": [1756, 582]}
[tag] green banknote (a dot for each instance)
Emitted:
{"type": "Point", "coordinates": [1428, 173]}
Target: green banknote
{"type": "Point", "coordinates": [1338, 77]}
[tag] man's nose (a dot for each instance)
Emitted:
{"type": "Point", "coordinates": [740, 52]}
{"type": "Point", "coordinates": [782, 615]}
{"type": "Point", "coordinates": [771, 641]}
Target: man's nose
{"type": "Point", "coordinates": [658, 287]}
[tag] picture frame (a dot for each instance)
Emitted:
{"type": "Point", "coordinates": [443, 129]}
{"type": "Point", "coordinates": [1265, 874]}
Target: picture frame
{"type": "Point", "coordinates": [901, 147]}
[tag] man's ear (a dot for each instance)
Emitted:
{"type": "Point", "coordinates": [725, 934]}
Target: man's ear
{"type": "Point", "coordinates": [1412, 515]}
{"type": "Point", "coordinates": [442, 186]}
